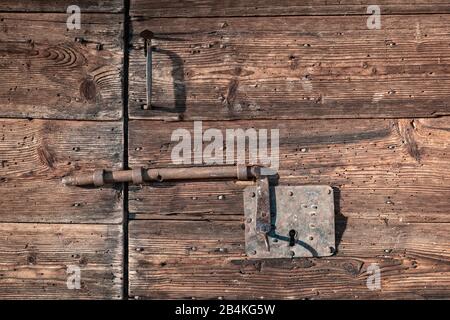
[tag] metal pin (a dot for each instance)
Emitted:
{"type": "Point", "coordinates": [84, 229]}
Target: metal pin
{"type": "Point", "coordinates": [148, 36]}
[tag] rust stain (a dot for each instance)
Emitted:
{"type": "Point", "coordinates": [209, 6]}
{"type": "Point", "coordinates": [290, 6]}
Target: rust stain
{"type": "Point", "coordinates": [88, 90]}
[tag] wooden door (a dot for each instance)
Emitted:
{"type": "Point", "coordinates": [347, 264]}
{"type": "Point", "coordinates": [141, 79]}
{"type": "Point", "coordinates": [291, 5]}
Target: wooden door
{"type": "Point", "coordinates": [363, 110]}
{"type": "Point", "coordinates": [61, 112]}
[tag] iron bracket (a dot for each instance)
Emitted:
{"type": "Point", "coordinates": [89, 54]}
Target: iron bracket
{"type": "Point", "coordinates": [300, 218]}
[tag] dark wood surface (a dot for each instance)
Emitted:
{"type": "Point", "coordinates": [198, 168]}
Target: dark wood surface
{"type": "Point", "coordinates": [47, 73]}
{"type": "Point", "coordinates": [251, 64]}
{"type": "Point", "coordinates": [391, 195]}
{"type": "Point", "coordinates": [206, 260]}
{"type": "Point", "coordinates": [35, 259]}
{"type": "Point", "coordinates": [50, 72]}
{"type": "Point", "coordinates": [292, 68]}
{"type": "Point", "coordinates": [382, 168]}
{"type": "Point", "coordinates": [36, 154]}
{"type": "Point", "coordinates": [365, 111]}
{"type": "Point", "coordinates": [202, 8]}
{"type": "Point", "coordinates": [60, 6]}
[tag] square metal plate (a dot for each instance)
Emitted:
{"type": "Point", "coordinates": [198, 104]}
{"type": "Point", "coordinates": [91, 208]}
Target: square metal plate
{"type": "Point", "coordinates": [308, 210]}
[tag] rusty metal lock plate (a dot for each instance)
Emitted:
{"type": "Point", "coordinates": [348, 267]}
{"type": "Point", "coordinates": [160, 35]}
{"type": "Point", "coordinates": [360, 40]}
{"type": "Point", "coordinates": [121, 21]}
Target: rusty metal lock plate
{"type": "Point", "coordinates": [302, 220]}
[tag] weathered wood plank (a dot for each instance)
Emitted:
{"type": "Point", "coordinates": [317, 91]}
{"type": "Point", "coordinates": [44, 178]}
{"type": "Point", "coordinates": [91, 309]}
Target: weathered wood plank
{"type": "Point", "coordinates": [208, 8]}
{"type": "Point", "coordinates": [36, 258]}
{"type": "Point", "coordinates": [35, 155]}
{"type": "Point", "coordinates": [204, 260]}
{"type": "Point", "coordinates": [381, 169]}
{"type": "Point", "coordinates": [108, 6]}
{"type": "Point", "coordinates": [46, 73]}
{"type": "Point", "coordinates": [293, 68]}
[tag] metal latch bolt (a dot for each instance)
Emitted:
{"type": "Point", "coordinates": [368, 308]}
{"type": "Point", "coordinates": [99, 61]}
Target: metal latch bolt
{"type": "Point", "coordinates": [140, 175]}
{"type": "Point", "coordinates": [281, 221]}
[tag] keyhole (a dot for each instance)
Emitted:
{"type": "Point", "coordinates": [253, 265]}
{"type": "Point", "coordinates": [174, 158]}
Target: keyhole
{"type": "Point", "coordinates": [292, 234]}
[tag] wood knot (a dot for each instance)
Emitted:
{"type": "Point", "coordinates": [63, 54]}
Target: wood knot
{"type": "Point", "coordinates": [46, 157]}
{"type": "Point", "coordinates": [350, 268]}
{"type": "Point", "coordinates": [31, 259]}
{"type": "Point", "coordinates": [88, 90]}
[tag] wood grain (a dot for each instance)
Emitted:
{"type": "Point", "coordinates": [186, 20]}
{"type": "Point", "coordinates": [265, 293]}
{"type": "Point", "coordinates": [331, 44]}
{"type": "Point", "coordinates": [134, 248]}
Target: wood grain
{"type": "Point", "coordinates": [35, 259]}
{"type": "Point", "coordinates": [208, 8]}
{"type": "Point", "coordinates": [61, 5]}
{"type": "Point", "coordinates": [35, 155]}
{"type": "Point", "coordinates": [46, 73]}
{"type": "Point", "coordinates": [380, 169]}
{"type": "Point", "coordinates": [391, 184]}
{"type": "Point", "coordinates": [293, 68]}
{"type": "Point", "coordinates": [206, 260]}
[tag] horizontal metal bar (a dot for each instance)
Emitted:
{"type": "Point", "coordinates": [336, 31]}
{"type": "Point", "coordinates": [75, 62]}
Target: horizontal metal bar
{"type": "Point", "coordinates": [140, 175]}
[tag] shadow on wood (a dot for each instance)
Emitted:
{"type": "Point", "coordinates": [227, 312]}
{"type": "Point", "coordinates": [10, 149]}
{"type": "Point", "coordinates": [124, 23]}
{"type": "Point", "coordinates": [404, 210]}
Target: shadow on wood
{"type": "Point", "coordinates": [179, 87]}
{"type": "Point", "coordinates": [340, 219]}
